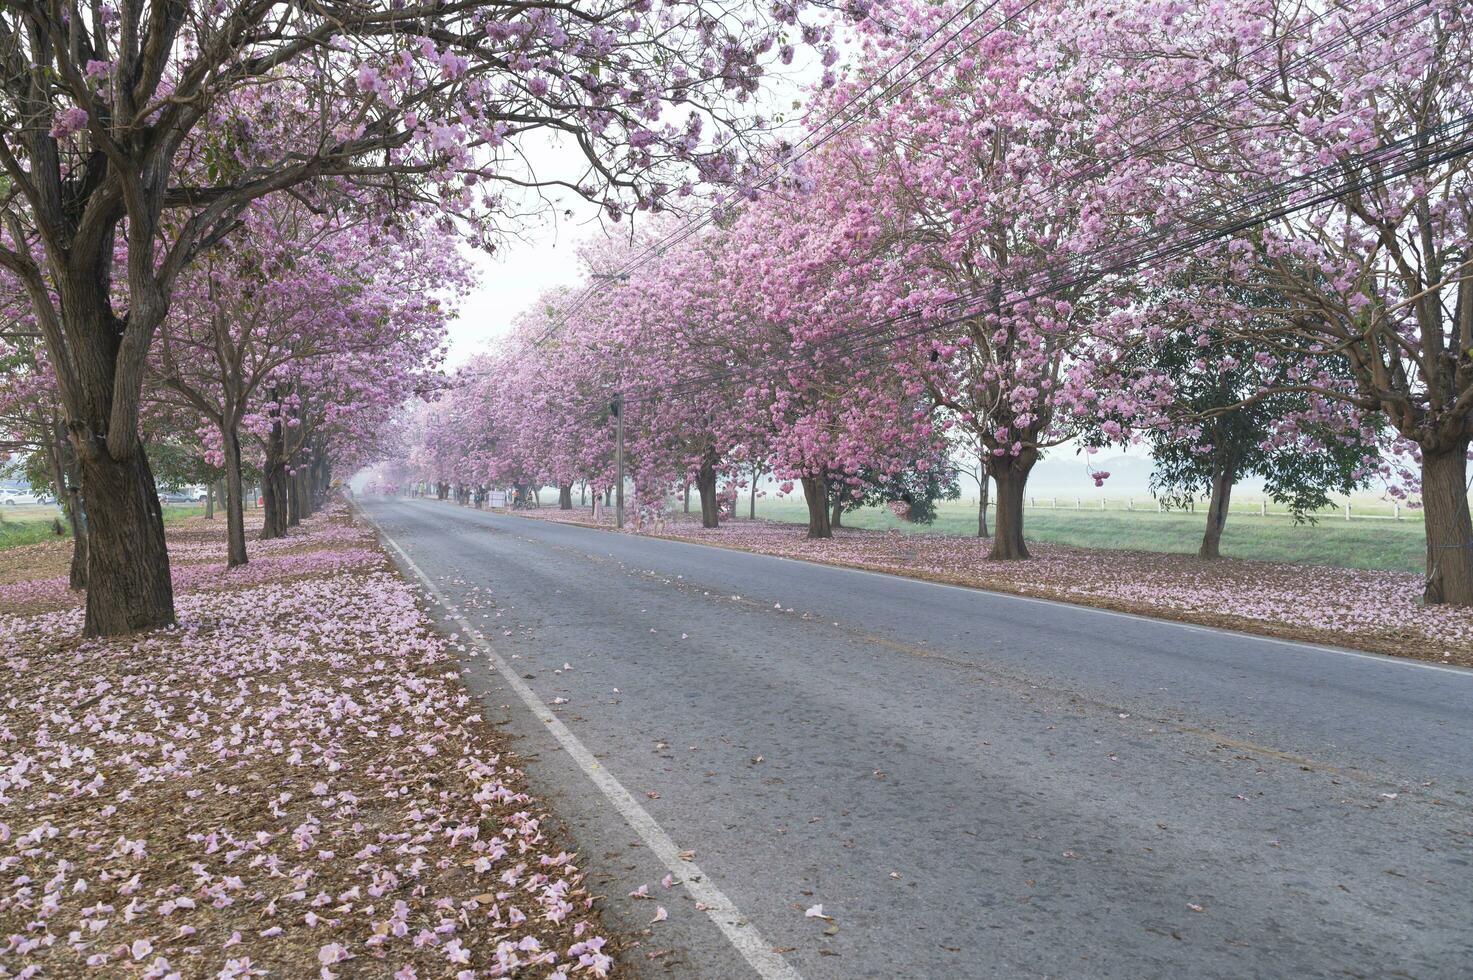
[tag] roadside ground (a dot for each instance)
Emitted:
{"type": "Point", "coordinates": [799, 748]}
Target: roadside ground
{"type": "Point", "coordinates": [292, 781]}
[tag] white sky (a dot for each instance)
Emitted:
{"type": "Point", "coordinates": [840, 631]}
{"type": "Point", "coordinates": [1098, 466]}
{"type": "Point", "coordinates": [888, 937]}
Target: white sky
{"type": "Point", "coordinates": [546, 256]}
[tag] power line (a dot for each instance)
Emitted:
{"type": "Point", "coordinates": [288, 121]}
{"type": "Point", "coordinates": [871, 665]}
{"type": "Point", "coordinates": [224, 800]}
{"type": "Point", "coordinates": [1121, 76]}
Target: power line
{"type": "Point", "coordinates": [1375, 22]}
{"type": "Point", "coordinates": [694, 225]}
{"type": "Point", "coordinates": [1327, 47]}
{"type": "Point", "coordinates": [1417, 151]}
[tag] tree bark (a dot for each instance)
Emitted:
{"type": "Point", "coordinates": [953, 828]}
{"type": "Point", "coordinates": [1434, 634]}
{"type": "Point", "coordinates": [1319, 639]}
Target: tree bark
{"type": "Point", "coordinates": [234, 496]}
{"type": "Point", "coordinates": [1010, 473]}
{"type": "Point", "coordinates": [209, 502]}
{"type": "Point", "coordinates": [64, 475]}
{"type": "Point", "coordinates": [129, 588]}
{"type": "Point", "coordinates": [816, 492]}
{"type": "Point", "coordinates": [1449, 528]}
{"type": "Point", "coordinates": [984, 486]}
{"type": "Point", "coordinates": [752, 499]}
{"type": "Point", "coordinates": [565, 496]}
{"type": "Point", "coordinates": [293, 499]}
{"type": "Point", "coordinates": [1223, 478]}
{"type": "Point", "coordinates": [685, 492]}
{"type": "Point", "coordinates": [77, 512]}
{"type": "Point", "coordinates": [836, 513]}
{"type": "Point", "coordinates": [706, 487]}
{"type": "Point", "coordinates": [273, 486]}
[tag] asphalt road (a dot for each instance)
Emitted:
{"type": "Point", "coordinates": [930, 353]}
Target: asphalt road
{"type": "Point", "coordinates": [971, 784]}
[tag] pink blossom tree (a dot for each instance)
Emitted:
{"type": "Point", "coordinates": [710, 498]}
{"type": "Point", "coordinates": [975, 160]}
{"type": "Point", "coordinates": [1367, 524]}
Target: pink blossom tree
{"type": "Point", "coordinates": [1378, 274]}
{"type": "Point", "coordinates": [159, 125]}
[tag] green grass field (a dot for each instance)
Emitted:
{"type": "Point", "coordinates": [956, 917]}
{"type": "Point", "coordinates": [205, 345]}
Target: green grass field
{"type": "Point", "coordinates": [32, 524]}
{"type": "Point", "coordinates": [1377, 544]}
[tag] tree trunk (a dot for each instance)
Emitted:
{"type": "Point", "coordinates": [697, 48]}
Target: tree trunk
{"type": "Point", "coordinates": [273, 487]}
{"type": "Point", "coordinates": [565, 497]}
{"type": "Point", "coordinates": [1010, 473]}
{"type": "Point", "coordinates": [209, 501]}
{"type": "Point", "coordinates": [129, 588]}
{"type": "Point", "coordinates": [77, 512]}
{"type": "Point", "coordinates": [984, 485]}
{"type": "Point", "coordinates": [1222, 491]}
{"type": "Point", "coordinates": [1449, 529]}
{"type": "Point", "coordinates": [706, 487]}
{"type": "Point", "coordinates": [816, 492]}
{"type": "Point", "coordinates": [64, 475]}
{"type": "Point", "coordinates": [836, 513]}
{"type": "Point", "coordinates": [294, 498]}
{"type": "Point", "coordinates": [304, 492]}
{"type": "Point", "coordinates": [234, 497]}
{"type": "Point", "coordinates": [685, 492]}
{"type": "Point", "coordinates": [752, 500]}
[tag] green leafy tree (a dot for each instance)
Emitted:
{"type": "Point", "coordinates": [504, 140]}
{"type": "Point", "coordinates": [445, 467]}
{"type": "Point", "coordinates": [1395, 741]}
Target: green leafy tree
{"type": "Point", "coordinates": [1224, 428]}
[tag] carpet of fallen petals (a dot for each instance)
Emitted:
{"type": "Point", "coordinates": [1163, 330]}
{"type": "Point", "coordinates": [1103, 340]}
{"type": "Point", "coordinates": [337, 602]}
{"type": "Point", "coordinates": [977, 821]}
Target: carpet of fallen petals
{"type": "Point", "coordinates": [1368, 610]}
{"type": "Point", "coordinates": [292, 782]}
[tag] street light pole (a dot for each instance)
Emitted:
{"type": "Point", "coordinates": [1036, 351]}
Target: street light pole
{"type": "Point", "coordinates": [618, 408]}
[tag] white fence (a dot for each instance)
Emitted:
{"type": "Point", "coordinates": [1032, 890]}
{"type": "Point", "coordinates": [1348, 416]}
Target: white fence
{"type": "Point", "coordinates": [1348, 511]}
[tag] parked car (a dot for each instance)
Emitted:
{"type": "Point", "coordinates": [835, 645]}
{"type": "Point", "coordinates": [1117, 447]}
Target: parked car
{"type": "Point", "coordinates": [14, 497]}
{"type": "Point", "coordinates": [189, 495]}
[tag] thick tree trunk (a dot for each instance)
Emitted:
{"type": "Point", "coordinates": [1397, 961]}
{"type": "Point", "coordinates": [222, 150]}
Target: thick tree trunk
{"type": "Point", "coordinates": [706, 487]}
{"type": "Point", "coordinates": [816, 492]}
{"type": "Point", "coordinates": [307, 491]}
{"type": "Point", "coordinates": [321, 482]}
{"type": "Point", "coordinates": [565, 497]}
{"type": "Point", "coordinates": [1217, 511]}
{"type": "Point", "coordinates": [129, 588]}
{"type": "Point", "coordinates": [1449, 528]}
{"type": "Point", "coordinates": [294, 499]}
{"type": "Point", "coordinates": [836, 513]}
{"type": "Point", "coordinates": [1010, 473]}
{"type": "Point", "coordinates": [234, 497]}
{"type": "Point", "coordinates": [273, 487]}
{"type": "Point", "coordinates": [303, 480]}
{"type": "Point", "coordinates": [984, 485]}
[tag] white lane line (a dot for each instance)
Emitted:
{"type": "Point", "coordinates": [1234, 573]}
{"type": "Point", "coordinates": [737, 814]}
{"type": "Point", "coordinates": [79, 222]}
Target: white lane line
{"type": "Point", "coordinates": [1379, 658]}
{"type": "Point", "coordinates": [738, 929]}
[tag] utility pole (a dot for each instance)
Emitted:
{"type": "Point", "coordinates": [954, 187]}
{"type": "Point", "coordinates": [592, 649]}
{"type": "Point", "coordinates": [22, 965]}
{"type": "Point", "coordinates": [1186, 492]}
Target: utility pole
{"type": "Point", "coordinates": [618, 409]}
